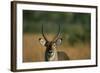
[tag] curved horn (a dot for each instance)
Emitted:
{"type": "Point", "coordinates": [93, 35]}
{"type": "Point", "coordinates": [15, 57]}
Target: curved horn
{"type": "Point", "coordinates": [58, 34]}
{"type": "Point", "coordinates": [43, 34]}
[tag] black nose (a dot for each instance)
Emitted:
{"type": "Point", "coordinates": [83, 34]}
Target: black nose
{"type": "Point", "coordinates": [50, 51]}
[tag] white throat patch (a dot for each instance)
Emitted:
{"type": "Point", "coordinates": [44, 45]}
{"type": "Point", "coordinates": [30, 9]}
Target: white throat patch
{"type": "Point", "coordinates": [54, 57]}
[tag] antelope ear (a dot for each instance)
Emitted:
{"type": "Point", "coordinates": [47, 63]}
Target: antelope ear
{"type": "Point", "coordinates": [58, 41]}
{"type": "Point", "coordinates": [42, 41]}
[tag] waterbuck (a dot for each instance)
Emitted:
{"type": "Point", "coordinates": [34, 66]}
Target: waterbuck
{"type": "Point", "coordinates": [51, 53]}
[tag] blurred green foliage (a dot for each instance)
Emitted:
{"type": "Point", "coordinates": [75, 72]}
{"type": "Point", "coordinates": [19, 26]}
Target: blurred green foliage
{"type": "Point", "coordinates": [75, 27]}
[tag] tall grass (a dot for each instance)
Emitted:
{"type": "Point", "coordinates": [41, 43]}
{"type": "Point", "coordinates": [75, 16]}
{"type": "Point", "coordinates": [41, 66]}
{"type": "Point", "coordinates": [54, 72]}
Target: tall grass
{"type": "Point", "coordinates": [33, 51]}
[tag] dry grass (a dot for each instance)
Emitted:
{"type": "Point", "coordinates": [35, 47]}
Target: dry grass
{"type": "Point", "coordinates": [33, 51]}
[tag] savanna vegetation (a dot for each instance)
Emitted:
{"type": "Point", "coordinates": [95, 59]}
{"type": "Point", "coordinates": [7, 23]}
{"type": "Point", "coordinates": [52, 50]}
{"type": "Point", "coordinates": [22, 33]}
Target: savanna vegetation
{"type": "Point", "coordinates": [75, 32]}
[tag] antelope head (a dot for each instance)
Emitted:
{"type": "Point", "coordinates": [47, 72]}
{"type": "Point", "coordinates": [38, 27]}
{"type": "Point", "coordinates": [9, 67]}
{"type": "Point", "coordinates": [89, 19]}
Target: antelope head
{"type": "Point", "coordinates": [51, 52]}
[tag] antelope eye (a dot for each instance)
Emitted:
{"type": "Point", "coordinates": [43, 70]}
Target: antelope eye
{"type": "Point", "coordinates": [54, 45]}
